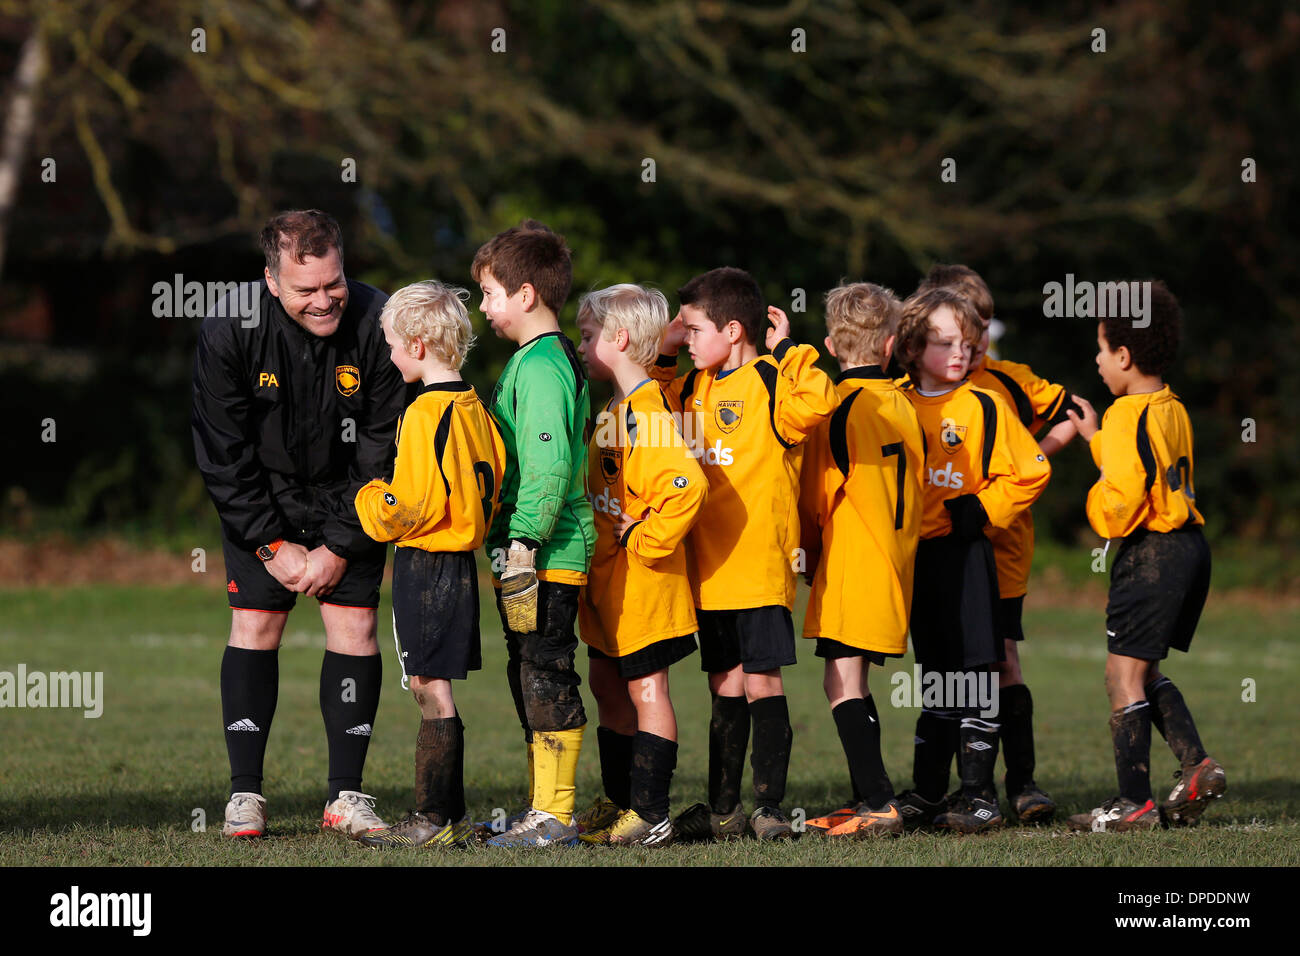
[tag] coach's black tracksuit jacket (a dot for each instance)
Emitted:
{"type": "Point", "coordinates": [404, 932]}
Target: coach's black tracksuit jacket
{"type": "Point", "coordinates": [270, 422]}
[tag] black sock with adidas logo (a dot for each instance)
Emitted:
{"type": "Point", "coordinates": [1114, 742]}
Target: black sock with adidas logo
{"type": "Point", "coordinates": [1170, 716]}
{"type": "Point", "coordinates": [1130, 732]}
{"type": "Point", "coordinates": [654, 759]}
{"type": "Point", "coordinates": [349, 699]}
{"type": "Point", "coordinates": [771, 757]}
{"type": "Point", "coordinates": [858, 724]}
{"type": "Point", "coordinates": [439, 748]}
{"type": "Point", "coordinates": [616, 765]}
{"type": "Point", "coordinates": [728, 741]}
{"type": "Point", "coordinates": [250, 685]}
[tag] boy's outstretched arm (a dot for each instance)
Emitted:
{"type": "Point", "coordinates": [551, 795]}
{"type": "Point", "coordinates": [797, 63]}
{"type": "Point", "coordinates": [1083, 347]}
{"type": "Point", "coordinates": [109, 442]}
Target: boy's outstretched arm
{"type": "Point", "coordinates": [805, 395]}
{"type": "Point", "coordinates": [416, 499]}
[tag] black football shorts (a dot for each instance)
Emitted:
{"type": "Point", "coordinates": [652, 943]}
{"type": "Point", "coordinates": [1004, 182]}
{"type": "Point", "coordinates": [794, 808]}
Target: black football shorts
{"type": "Point", "coordinates": [1158, 586]}
{"type": "Point", "coordinates": [760, 638]}
{"type": "Point", "coordinates": [250, 587]}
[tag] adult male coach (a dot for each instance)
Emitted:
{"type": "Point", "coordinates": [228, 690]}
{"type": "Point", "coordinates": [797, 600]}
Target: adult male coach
{"type": "Point", "coordinates": [295, 408]}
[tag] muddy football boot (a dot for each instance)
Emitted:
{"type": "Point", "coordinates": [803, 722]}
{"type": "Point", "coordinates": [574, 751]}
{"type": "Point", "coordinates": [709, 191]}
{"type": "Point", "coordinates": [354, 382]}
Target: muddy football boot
{"type": "Point", "coordinates": [693, 825]}
{"type": "Point", "coordinates": [1031, 805]}
{"type": "Point", "coordinates": [970, 815]}
{"type": "Point", "coordinates": [769, 823]}
{"type": "Point", "coordinates": [867, 823]}
{"type": "Point", "coordinates": [824, 824]}
{"type": "Point", "coordinates": [918, 812]}
{"type": "Point", "coordinates": [1195, 788]}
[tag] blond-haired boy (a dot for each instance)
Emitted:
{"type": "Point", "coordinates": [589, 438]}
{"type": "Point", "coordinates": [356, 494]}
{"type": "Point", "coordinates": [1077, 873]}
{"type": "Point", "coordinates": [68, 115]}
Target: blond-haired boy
{"type": "Point", "coordinates": [860, 519]}
{"type": "Point", "coordinates": [437, 508]}
{"type": "Point", "coordinates": [636, 614]}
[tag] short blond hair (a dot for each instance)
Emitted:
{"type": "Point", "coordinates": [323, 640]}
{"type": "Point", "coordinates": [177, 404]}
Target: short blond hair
{"type": "Point", "coordinates": [434, 313]}
{"type": "Point", "coordinates": [643, 312]}
{"type": "Point", "coordinates": [860, 318]}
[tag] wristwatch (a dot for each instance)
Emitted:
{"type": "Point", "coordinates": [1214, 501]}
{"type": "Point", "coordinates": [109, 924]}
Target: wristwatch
{"type": "Point", "coordinates": [267, 551]}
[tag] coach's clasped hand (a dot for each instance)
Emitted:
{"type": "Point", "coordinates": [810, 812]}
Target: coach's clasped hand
{"type": "Point", "coordinates": [519, 588]}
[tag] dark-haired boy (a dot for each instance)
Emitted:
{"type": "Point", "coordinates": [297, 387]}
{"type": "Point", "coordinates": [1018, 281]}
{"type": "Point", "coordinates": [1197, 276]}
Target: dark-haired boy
{"type": "Point", "coordinates": [983, 469]}
{"type": "Point", "coordinates": [542, 539]}
{"type": "Point", "coordinates": [1038, 404]}
{"type": "Point", "coordinates": [1161, 574]}
{"type": "Point", "coordinates": [746, 416]}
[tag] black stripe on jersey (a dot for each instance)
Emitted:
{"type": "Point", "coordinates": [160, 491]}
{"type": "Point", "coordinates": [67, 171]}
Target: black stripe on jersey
{"type": "Point", "coordinates": [440, 443]}
{"type": "Point", "coordinates": [990, 430]}
{"type": "Point", "coordinates": [664, 398]}
{"type": "Point", "coordinates": [1147, 457]}
{"type": "Point", "coordinates": [768, 373]}
{"type": "Point", "coordinates": [630, 420]}
{"type": "Point", "coordinates": [1024, 411]}
{"type": "Point", "coordinates": [575, 363]}
{"type": "Point", "coordinates": [839, 429]}
{"type": "Point", "coordinates": [688, 386]}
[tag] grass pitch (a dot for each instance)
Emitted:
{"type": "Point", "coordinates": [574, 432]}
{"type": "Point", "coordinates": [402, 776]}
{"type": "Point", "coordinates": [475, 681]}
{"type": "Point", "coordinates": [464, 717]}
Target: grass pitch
{"type": "Point", "coordinates": [137, 785]}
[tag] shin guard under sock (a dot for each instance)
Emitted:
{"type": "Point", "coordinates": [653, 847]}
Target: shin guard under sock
{"type": "Point", "coordinates": [859, 729]}
{"type": "Point", "coordinates": [616, 765]}
{"type": "Point", "coordinates": [435, 768]}
{"type": "Point", "coordinates": [349, 699]}
{"type": "Point", "coordinates": [250, 686]}
{"type": "Point", "coordinates": [937, 737]}
{"type": "Point", "coordinates": [728, 741]}
{"type": "Point", "coordinates": [1130, 732]}
{"type": "Point", "coordinates": [1016, 715]}
{"type": "Point", "coordinates": [1170, 716]}
{"type": "Point", "coordinates": [654, 759]}
{"type": "Point", "coordinates": [770, 759]}
{"type": "Point", "coordinates": [979, 757]}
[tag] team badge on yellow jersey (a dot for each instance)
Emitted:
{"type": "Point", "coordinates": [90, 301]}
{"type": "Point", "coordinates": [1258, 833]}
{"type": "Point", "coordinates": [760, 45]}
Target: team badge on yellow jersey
{"type": "Point", "coordinates": [348, 379]}
{"type": "Point", "coordinates": [727, 414]}
{"type": "Point", "coordinates": [611, 463]}
{"type": "Point", "coordinates": [951, 435]}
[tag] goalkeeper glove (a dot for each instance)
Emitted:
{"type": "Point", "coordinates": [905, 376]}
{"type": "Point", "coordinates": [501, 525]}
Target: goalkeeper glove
{"type": "Point", "coordinates": [968, 517]}
{"type": "Point", "coordinates": [519, 589]}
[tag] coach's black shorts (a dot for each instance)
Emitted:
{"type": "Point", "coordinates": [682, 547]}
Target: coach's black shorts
{"type": "Point", "coordinates": [250, 586]}
{"type": "Point", "coordinates": [1007, 615]}
{"type": "Point", "coordinates": [831, 649]}
{"type": "Point", "coordinates": [1158, 586]}
{"type": "Point", "coordinates": [435, 613]}
{"type": "Point", "coordinates": [655, 657]}
{"type": "Point", "coordinates": [954, 593]}
{"type": "Point", "coordinates": [760, 638]}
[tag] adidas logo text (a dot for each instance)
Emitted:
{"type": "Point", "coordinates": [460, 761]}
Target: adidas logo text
{"type": "Point", "coordinates": [361, 730]}
{"type": "Point", "coordinates": [243, 724]}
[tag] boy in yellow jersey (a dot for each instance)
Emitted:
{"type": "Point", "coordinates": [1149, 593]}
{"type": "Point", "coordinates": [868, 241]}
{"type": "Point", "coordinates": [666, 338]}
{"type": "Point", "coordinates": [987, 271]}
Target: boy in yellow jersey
{"type": "Point", "coordinates": [1161, 574]}
{"type": "Point", "coordinates": [437, 508]}
{"type": "Point", "coordinates": [635, 614]}
{"type": "Point", "coordinates": [982, 470]}
{"type": "Point", "coordinates": [1038, 404]}
{"type": "Point", "coordinates": [859, 519]}
{"type": "Point", "coordinates": [746, 416]}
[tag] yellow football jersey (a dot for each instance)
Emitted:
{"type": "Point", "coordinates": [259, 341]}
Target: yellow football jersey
{"type": "Point", "coordinates": [1037, 402]}
{"type": "Point", "coordinates": [747, 427]}
{"type": "Point", "coordinates": [860, 514]}
{"type": "Point", "coordinates": [1144, 451]}
{"type": "Point", "coordinates": [447, 476]}
{"type": "Point", "coordinates": [637, 590]}
{"type": "Point", "coordinates": [976, 445]}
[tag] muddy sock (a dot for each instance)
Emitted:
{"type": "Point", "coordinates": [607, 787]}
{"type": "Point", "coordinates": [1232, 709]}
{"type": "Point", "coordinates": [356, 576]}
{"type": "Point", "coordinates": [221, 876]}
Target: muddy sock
{"type": "Point", "coordinates": [937, 733]}
{"type": "Point", "coordinates": [771, 757]}
{"type": "Point", "coordinates": [859, 728]}
{"type": "Point", "coordinates": [435, 768]}
{"type": "Point", "coordinates": [654, 759]}
{"type": "Point", "coordinates": [979, 757]}
{"type": "Point", "coordinates": [458, 807]}
{"type": "Point", "coordinates": [349, 699]}
{"type": "Point", "coordinates": [728, 741]}
{"type": "Point", "coordinates": [1130, 732]}
{"type": "Point", "coordinates": [616, 765]}
{"type": "Point", "coordinates": [250, 682]}
{"type": "Point", "coordinates": [1016, 715]}
{"type": "Point", "coordinates": [1169, 715]}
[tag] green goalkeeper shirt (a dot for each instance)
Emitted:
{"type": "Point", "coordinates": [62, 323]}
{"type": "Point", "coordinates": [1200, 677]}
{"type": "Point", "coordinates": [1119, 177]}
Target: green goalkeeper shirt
{"type": "Point", "coordinates": [542, 406]}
